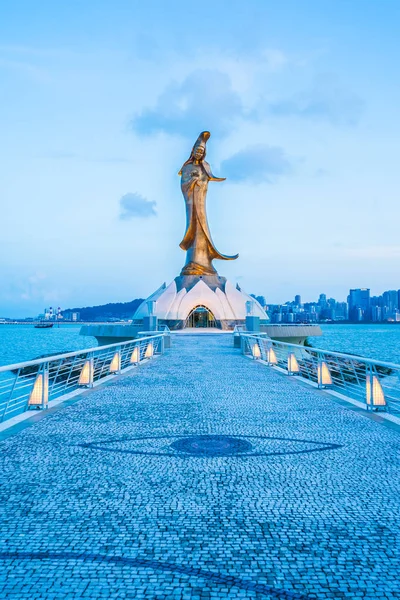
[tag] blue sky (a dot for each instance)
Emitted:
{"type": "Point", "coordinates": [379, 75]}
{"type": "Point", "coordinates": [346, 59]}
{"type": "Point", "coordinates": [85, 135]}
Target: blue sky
{"type": "Point", "coordinates": [101, 102]}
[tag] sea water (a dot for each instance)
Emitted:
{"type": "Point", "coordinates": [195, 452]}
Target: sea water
{"type": "Point", "coordinates": [20, 343]}
{"type": "Point", "coordinates": [377, 341]}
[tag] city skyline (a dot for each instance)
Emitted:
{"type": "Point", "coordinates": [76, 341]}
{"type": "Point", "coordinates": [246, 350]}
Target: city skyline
{"type": "Point", "coordinates": [100, 102]}
{"type": "Point", "coordinates": [359, 306]}
{"type": "Point", "coordinates": [374, 308]}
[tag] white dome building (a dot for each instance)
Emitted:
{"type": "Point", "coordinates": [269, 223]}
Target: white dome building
{"type": "Point", "coordinates": [195, 301]}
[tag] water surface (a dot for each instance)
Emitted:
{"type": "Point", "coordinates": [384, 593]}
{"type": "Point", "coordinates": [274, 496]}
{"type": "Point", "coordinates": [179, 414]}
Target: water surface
{"type": "Point", "coordinates": [380, 341]}
{"type": "Point", "coordinates": [19, 343]}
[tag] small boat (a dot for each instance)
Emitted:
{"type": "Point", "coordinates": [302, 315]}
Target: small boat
{"type": "Point", "coordinates": [42, 325]}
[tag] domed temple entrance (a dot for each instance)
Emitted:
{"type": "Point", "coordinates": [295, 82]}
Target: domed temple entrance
{"type": "Point", "coordinates": [201, 316]}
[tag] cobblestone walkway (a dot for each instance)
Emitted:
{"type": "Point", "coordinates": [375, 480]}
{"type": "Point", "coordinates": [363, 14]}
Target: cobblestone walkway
{"type": "Point", "coordinates": [103, 499]}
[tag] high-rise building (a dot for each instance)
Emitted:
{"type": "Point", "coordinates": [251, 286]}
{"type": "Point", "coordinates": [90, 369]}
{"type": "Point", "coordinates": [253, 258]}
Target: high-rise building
{"type": "Point", "coordinates": [376, 313]}
{"type": "Point", "coordinates": [376, 301]}
{"type": "Point", "coordinates": [297, 300]}
{"type": "Point", "coordinates": [322, 300]}
{"type": "Point", "coordinates": [359, 304]}
{"type": "Point", "coordinates": [341, 311]}
{"type": "Point", "coordinates": [391, 300]}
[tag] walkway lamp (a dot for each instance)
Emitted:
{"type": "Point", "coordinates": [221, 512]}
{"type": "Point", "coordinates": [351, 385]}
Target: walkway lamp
{"type": "Point", "coordinates": [374, 393]}
{"type": "Point", "coordinates": [115, 365]}
{"type": "Point", "coordinates": [293, 366]}
{"type": "Point", "coordinates": [256, 352]}
{"type": "Point", "coordinates": [86, 376]}
{"type": "Point", "coordinates": [135, 356]}
{"type": "Point", "coordinates": [323, 375]}
{"type": "Point", "coordinates": [39, 396]}
{"type": "Point", "coordinates": [149, 350]}
{"type": "Point", "coordinates": [271, 357]}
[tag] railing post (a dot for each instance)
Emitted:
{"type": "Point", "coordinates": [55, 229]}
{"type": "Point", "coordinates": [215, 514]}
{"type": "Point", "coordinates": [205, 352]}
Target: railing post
{"type": "Point", "coordinates": [10, 396]}
{"type": "Point", "coordinates": [368, 388]}
{"type": "Point", "coordinates": [319, 372]}
{"type": "Point", "coordinates": [45, 396]}
{"type": "Point", "coordinates": [91, 364]}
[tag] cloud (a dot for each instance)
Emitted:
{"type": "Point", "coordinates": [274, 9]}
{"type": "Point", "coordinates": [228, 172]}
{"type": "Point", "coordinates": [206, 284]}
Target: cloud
{"type": "Point", "coordinates": [205, 100]}
{"type": "Point", "coordinates": [213, 99]}
{"type": "Point", "coordinates": [327, 100]}
{"type": "Point", "coordinates": [135, 205]}
{"type": "Point", "coordinates": [256, 164]}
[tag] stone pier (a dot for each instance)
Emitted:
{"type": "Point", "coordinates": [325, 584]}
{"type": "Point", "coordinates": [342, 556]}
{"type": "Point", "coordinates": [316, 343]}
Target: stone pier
{"type": "Point", "coordinates": [201, 475]}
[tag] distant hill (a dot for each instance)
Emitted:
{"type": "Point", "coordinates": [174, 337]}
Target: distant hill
{"type": "Point", "coordinates": [113, 310]}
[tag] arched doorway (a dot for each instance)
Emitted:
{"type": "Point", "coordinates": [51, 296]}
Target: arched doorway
{"type": "Point", "coordinates": [201, 316]}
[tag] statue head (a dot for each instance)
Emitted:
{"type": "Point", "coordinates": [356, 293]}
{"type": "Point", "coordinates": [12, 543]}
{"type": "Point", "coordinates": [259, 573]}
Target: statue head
{"type": "Point", "coordinates": [199, 148]}
{"type": "Point", "coordinates": [198, 152]}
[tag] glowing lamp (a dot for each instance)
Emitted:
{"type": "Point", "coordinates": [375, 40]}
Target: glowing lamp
{"type": "Point", "coordinates": [293, 365]}
{"type": "Point", "coordinates": [86, 376]}
{"type": "Point", "coordinates": [374, 392]}
{"type": "Point", "coordinates": [256, 352]}
{"type": "Point", "coordinates": [39, 395]}
{"type": "Point", "coordinates": [135, 356]}
{"type": "Point", "coordinates": [149, 350]}
{"type": "Point", "coordinates": [271, 357]}
{"type": "Point", "coordinates": [324, 375]}
{"type": "Point", "coordinates": [115, 365]}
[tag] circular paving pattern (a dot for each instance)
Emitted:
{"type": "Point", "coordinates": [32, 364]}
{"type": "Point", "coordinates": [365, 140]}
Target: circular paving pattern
{"type": "Point", "coordinates": [212, 445]}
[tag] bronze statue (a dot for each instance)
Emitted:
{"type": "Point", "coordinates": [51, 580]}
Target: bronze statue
{"type": "Point", "coordinates": [201, 251]}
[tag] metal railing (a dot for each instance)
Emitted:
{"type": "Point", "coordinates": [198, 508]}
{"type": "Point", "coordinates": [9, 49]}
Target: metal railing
{"type": "Point", "coordinates": [164, 328]}
{"type": "Point", "coordinates": [376, 384]}
{"type": "Point", "coordinates": [34, 383]}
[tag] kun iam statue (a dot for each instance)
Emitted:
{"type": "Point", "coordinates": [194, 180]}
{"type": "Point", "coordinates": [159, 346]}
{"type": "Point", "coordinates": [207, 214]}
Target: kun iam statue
{"type": "Point", "coordinates": [200, 249]}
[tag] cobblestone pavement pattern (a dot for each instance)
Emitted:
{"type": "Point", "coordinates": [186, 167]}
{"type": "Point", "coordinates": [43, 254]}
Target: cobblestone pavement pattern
{"type": "Point", "coordinates": [97, 503]}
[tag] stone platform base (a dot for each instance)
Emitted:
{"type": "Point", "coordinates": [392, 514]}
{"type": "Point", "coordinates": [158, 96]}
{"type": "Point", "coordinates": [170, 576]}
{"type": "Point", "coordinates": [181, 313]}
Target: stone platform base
{"type": "Point", "coordinates": [291, 334]}
{"type": "Point", "coordinates": [112, 334]}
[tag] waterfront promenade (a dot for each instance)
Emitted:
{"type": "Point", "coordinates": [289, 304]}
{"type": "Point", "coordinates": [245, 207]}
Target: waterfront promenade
{"type": "Point", "coordinates": [126, 494]}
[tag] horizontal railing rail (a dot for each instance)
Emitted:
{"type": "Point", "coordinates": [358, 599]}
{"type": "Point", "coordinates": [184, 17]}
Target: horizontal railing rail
{"type": "Point", "coordinates": [33, 383]}
{"type": "Point", "coordinates": [164, 328]}
{"type": "Point", "coordinates": [374, 383]}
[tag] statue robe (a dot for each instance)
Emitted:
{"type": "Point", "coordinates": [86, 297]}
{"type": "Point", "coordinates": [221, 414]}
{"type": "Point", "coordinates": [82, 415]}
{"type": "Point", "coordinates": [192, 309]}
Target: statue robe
{"type": "Point", "coordinates": [197, 240]}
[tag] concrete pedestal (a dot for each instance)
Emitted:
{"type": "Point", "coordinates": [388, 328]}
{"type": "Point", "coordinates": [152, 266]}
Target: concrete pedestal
{"type": "Point", "coordinates": [150, 323]}
{"type": "Point", "coordinates": [252, 323]}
